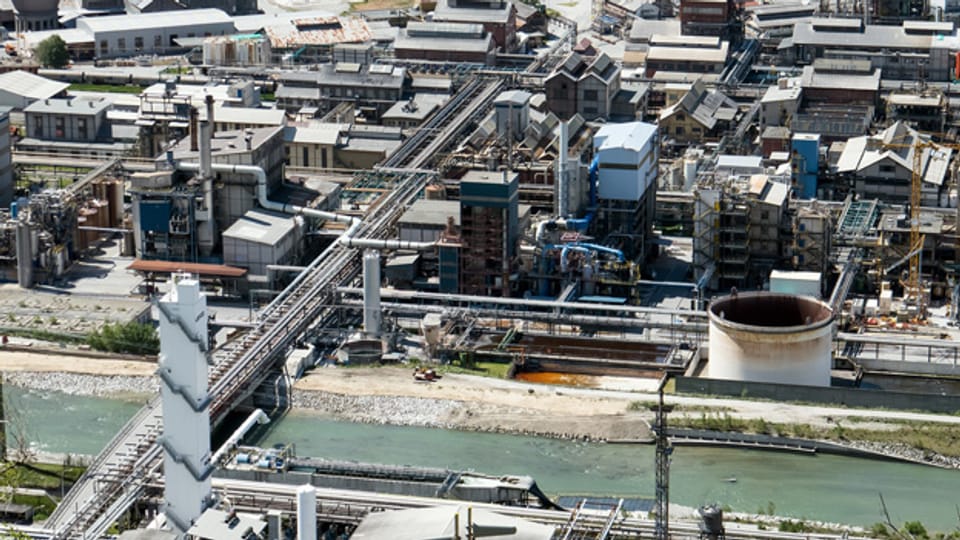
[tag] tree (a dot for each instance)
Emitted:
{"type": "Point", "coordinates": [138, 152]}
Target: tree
{"type": "Point", "coordinates": [52, 52]}
{"type": "Point", "coordinates": [131, 337]}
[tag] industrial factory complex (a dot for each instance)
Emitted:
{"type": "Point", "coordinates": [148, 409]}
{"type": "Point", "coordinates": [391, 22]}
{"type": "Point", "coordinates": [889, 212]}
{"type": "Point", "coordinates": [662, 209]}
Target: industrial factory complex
{"type": "Point", "coordinates": [705, 197]}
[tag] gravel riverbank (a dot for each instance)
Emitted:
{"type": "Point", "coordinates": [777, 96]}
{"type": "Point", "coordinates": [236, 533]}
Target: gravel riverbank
{"type": "Point", "coordinates": [106, 386]}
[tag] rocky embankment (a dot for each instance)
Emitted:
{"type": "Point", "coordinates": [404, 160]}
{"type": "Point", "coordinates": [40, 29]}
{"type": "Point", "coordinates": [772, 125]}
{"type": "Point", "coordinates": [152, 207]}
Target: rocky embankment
{"type": "Point", "coordinates": [108, 386]}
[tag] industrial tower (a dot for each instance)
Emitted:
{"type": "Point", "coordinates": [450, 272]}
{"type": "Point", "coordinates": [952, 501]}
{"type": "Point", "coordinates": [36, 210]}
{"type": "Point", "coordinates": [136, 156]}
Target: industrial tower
{"type": "Point", "coordinates": [663, 451]}
{"type": "Point", "coordinates": [185, 401]}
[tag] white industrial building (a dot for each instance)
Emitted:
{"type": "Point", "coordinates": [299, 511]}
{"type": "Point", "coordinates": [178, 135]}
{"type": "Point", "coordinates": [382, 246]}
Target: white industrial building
{"type": "Point", "coordinates": [236, 50]}
{"type": "Point", "coordinates": [627, 157]}
{"type": "Point", "coordinates": [260, 239]}
{"type": "Point", "coordinates": [153, 33]}
{"type": "Point", "coordinates": [18, 89]}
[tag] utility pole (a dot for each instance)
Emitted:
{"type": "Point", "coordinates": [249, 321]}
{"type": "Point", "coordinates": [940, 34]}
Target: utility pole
{"type": "Point", "coordinates": [663, 451]}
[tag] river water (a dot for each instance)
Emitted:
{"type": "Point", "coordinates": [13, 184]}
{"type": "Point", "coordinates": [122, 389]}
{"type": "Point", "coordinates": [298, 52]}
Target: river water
{"type": "Point", "coordinates": [825, 488]}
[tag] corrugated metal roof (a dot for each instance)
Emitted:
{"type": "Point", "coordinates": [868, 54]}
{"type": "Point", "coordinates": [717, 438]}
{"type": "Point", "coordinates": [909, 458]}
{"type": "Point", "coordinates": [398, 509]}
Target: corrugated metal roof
{"type": "Point", "coordinates": [29, 85]}
{"type": "Point", "coordinates": [169, 20]}
{"type": "Point", "coordinates": [261, 227]}
{"type": "Point", "coordinates": [169, 267]}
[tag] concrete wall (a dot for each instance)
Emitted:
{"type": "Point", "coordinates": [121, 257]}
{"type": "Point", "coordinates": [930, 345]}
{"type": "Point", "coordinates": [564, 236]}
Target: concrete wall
{"type": "Point", "coordinates": [850, 397]}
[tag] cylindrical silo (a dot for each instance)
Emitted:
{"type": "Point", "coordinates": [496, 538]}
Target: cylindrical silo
{"type": "Point", "coordinates": [371, 293]}
{"type": "Point", "coordinates": [306, 513]}
{"type": "Point", "coordinates": [767, 337]}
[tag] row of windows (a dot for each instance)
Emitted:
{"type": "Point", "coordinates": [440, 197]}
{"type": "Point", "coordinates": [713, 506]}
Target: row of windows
{"type": "Point", "coordinates": [59, 128]}
{"type": "Point", "coordinates": [138, 42]}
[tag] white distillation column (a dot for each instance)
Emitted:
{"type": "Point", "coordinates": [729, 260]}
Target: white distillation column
{"type": "Point", "coordinates": [306, 513]}
{"type": "Point", "coordinates": [185, 402]}
{"type": "Point", "coordinates": [563, 173]}
{"type": "Point", "coordinates": [371, 293]}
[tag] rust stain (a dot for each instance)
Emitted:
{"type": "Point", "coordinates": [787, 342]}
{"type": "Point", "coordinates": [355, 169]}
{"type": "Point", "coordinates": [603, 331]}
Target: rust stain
{"type": "Point", "coordinates": [561, 379]}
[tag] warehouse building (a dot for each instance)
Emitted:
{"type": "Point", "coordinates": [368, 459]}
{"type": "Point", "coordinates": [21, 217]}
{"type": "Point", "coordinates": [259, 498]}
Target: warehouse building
{"type": "Point", "coordinates": [155, 33]}
{"type": "Point", "coordinates": [18, 89]}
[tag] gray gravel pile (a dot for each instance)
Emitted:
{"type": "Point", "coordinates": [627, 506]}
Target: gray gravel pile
{"type": "Point", "coordinates": [394, 410]}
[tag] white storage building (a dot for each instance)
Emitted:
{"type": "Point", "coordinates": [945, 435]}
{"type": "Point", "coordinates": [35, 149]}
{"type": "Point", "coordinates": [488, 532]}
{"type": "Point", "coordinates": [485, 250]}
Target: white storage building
{"type": "Point", "coordinates": [259, 239]}
{"type": "Point", "coordinates": [627, 157]}
{"type": "Point", "coordinates": [152, 33]}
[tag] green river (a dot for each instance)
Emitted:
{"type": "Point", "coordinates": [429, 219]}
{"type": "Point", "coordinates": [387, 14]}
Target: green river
{"type": "Point", "coordinates": [826, 488]}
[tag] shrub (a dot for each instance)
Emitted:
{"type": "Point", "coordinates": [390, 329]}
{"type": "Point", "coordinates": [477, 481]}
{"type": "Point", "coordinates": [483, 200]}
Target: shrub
{"type": "Point", "coordinates": [131, 337]}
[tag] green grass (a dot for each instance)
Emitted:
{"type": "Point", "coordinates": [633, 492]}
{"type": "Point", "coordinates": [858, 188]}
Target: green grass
{"type": "Point", "coordinates": [497, 370]}
{"type": "Point", "coordinates": [44, 335]}
{"type": "Point", "coordinates": [116, 89]}
{"type": "Point", "coordinates": [942, 439]}
{"type": "Point", "coordinates": [648, 405]}
{"type": "Point", "coordinates": [37, 475]}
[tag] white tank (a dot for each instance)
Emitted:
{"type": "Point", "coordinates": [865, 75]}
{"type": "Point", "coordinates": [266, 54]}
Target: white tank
{"type": "Point", "coordinates": [371, 293]}
{"type": "Point", "coordinates": [430, 325]}
{"type": "Point", "coordinates": [768, 337]}
{"type": "Point", "coordinates": [306, 513]}
{"type": "Point", "coordinates": [689, 174]}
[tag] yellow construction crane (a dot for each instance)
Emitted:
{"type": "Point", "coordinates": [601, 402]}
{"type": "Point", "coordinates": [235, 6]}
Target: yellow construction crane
{"type": "Point", "coordinates": [913, 292]}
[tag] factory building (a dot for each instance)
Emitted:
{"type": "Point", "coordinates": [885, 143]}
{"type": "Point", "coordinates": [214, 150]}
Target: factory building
{"type": "Point", "coordinates": [167, 207]}
{"type": "Point", "coordinates": [445, 42]}
{"type": "Point", "coordinates": [901, 52]}
{"type": "Point", "coordinates": [882, 166]}
{"type": "Point", "coordinates": [375, 88]}
{"type": "Point", "coordinates": [583, 85]}
{"type": "Point", "coordinates": [740, 227]}
{"type": "Point", "coordinates": [489, 230]}
{"type": "Point", "coordinates": [627, 157]}
{"type": "Point", "coordinates": [260, 239]}
{"type": "Point", "coordinates": [233, 7]}
{"type": "Point", "coordinates": [153, 33]}
{"type": "Point", "coordinates": [701, 114]}
{"type": "Point", "coordinates": [498, 17]}
{"type": "Point", "coordinates": [77, 126]}
{"type": "Point", "coordinates": [31, 15]}
{"type": "Point", "coordinates": [236, 50]}
{"type": "Point", "coordinates": [18, 89]}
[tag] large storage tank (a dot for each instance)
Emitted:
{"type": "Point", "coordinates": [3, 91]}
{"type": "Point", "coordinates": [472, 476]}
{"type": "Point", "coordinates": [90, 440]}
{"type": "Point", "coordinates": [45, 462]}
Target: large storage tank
{"type": "Point", "coordinates": [767, 337]}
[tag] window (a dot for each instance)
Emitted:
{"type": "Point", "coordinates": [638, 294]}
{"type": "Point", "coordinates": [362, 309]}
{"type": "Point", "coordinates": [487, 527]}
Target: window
{"type": "Point", "coordinates": [38, 127]}
{"type": "Point", "coordinates": [138, 43]}
{"type": "Point", "coordinates": [590, 95]}
{"type": "Point", "coordinates": [157, 41]}
{"type": "Point", "coordinates": [887, 169]}
{"type": "Point", "coordinates": [679, 130]}
{"type": "Point", "coordinates": [104, 47]}
{"type": "Point", "coordinates": [122, 44]}
{"type": "Point", "coordinates": [58, 127]}
{"type": "Point", "coordinates": [82, 129]}
{"type": "Point", "coordinates": [306, 156]}
{"type": "Point", "coordinates": [681, 117]}
{"type": "Point", "coordinates": [323, 157]}
{"type": "Point", "coordinates": [765, 215]}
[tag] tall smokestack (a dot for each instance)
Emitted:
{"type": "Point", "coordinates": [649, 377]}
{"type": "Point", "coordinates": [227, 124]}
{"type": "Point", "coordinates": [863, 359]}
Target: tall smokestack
{"type": "Point", "coordinates": [209, 102]}
{"type": "Point", "coordinates": [194, 126]}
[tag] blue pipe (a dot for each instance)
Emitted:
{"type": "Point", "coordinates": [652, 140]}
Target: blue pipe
{"type": "Point", "coordinates": [601, 249]}
{"type": "Point", "coordinates": [564, 265]}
